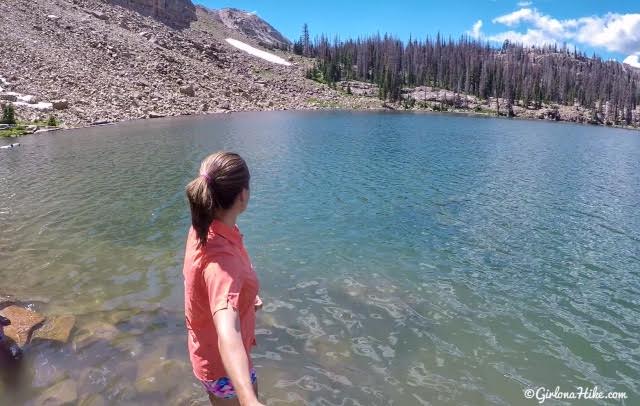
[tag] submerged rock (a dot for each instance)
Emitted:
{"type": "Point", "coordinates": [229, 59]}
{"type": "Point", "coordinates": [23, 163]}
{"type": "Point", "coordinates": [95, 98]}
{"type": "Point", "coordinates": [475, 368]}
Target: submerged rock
{"type": "Point", "coordinates": [94, 400]}
{"type": "Point", "coordinates": [93, 332]}
{"type": "Point", "coordinates": [46, 372]}
{"type": "Point", "coordinates": [60, 394]}
{"type": "Point", "coordinates": [56, 329]}
{"type": "Point", "coordinates": [23, 322]}
{"type": "Point", "coordinates": [158, 378]}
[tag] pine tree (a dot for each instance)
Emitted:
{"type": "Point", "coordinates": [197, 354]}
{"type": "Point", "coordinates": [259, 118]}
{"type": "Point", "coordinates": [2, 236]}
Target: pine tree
{"type": "Point", "coordinates": [306, 43]}
{"type": "Point", "coordinates": [528, 76]}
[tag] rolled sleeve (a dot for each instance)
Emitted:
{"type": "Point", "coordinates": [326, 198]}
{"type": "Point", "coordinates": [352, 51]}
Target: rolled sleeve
{"type": "Point", "coordinates": [224, 279]}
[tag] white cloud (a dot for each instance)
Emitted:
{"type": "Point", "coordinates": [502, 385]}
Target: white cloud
{"type": "Point", "coordinates": [524, 3]}
{"type": "Point", "coordinates": [540, 21]}
{"type": "Point", "coordinates": [524, 14]}
{"type": "Point", "coordinates": [612, 32]}
{"type": "Point", "coordinates": [476, 30]}
{"type": "Point", "coordinates": [633, 60]}
{"type": "Point", "coordinates": [531, 37]}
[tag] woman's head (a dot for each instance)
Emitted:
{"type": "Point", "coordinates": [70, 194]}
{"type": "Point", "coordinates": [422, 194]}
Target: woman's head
{"type": "Point", "coordinates": [223, 185]}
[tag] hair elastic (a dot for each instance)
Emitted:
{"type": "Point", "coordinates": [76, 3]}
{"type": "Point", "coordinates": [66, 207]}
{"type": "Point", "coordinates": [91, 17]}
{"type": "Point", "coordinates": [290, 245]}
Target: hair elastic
{"type": "Point", "coordinates": [206, 177]}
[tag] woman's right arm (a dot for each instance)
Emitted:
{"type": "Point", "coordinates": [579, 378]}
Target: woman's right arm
{"type": "Point", "coordinates": [223, 278]}
{"type": "Point", "coordinates": [234, 355]}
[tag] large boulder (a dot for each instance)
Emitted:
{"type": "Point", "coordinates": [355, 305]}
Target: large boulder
{"type": "Point", "coordinates": [23, 322]}
{"type": "Point", "coordinates": [60, 104]}
{"type": "Point", "coordinates": [153, 114]}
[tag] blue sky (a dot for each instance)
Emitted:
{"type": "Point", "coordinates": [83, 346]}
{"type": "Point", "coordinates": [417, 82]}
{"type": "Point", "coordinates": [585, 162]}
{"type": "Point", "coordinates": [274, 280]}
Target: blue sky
{"type": "Point", "coordinates": [609, 28]}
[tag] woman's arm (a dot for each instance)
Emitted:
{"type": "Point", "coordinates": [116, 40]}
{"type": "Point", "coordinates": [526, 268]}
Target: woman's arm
{"type": "Point", "coordinates": [234, 356]}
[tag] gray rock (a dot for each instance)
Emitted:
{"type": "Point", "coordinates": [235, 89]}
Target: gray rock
{"type": "Point", "coordinates": [188, 90]}
{"type": "Point", "coordinates": [97, 14]}
{"type": "Point", "coordinates": [60, 104]}
{"type": "Point", "coordinates": [153, 114]}
{"type": "Point", "coordinates": [30, 129]}
{"type": "Point", "coordinates": [8, 97]}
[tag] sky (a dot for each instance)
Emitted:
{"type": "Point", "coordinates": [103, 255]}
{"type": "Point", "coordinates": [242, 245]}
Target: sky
{"type": "Point", "coordinates": [610, 29]}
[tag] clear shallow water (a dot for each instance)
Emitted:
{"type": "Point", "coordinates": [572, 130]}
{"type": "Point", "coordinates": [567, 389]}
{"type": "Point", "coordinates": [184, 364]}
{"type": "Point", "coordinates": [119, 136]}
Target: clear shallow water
{"type": "Point", "coordinates": [404, 259]}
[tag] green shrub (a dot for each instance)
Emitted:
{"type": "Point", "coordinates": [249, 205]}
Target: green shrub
{"type": "Point", "coordinates": [409, 103]}
{"type": "Point", "coordinates": [8, 115]}
{"type": "Point", "coordinates": [52, 122]}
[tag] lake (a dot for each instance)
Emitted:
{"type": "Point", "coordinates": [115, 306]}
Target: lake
{"type": "Point", "coordinates": [405, 259]}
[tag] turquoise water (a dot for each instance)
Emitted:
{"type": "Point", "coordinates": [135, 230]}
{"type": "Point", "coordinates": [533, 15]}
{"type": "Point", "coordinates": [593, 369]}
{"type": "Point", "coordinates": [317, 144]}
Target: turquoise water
{"type": "Point", "coordinates": [405, 259]}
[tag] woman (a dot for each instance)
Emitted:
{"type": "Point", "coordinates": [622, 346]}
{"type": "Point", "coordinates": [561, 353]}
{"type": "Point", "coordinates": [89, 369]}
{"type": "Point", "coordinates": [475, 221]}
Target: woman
{"type": "Point", "coordinates": [220, 285]}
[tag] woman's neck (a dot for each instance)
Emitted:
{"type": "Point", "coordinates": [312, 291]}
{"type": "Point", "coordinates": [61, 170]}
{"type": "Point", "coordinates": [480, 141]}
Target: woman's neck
{"type": "Point", "coordinates": [228, 217]}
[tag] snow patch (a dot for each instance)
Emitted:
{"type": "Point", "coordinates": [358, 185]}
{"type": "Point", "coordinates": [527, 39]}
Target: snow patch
{"type": "Point", "coordinates": [25, 100]}
{"type": "Point", "coordinates": [267, 56]}
{"type": "Point", "coordinates": [38, 106]}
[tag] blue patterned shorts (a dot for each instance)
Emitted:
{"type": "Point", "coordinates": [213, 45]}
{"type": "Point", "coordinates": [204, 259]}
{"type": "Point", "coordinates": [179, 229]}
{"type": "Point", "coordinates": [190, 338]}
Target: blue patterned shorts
{"type": "Point", "coordinates": [223, 388]}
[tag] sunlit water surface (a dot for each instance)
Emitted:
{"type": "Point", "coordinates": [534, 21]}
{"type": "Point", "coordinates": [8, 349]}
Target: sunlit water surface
{"type": "Point", "coordinates": [404, 259]}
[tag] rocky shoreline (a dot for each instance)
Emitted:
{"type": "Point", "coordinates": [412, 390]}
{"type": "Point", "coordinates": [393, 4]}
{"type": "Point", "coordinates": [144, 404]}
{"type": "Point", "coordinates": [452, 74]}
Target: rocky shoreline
{"type": "Point", "coordinates": [383, 107]}
{"type": "Point", "coordinates": [91, 62]}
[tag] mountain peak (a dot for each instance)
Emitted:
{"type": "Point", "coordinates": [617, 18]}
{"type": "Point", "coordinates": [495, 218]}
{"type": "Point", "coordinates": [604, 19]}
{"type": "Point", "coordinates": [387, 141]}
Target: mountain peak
{"type": "Point", "coordinates": [251, 25]}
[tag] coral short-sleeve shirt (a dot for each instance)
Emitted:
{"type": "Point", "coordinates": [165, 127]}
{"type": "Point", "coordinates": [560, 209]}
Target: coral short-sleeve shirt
{"type": "Point", "coordinates": [216, 276]}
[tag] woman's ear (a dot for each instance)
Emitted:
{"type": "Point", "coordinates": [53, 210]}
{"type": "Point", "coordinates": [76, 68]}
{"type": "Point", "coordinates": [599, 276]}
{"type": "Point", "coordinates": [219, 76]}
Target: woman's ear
{"type": "Point", "coordinates": [244, 197]}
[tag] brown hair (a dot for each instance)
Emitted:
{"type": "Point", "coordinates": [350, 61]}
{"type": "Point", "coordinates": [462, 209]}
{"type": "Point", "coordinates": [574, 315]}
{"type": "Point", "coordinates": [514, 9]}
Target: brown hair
{"type": "Point", "coordinates": [223, 176]}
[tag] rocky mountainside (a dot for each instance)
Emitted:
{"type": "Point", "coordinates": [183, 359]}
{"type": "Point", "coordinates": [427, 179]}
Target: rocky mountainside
{"type": "Point", "coordinates": [96, 61]}
{"type": "Point", "coordinates": [176, 13]}
{"type": "Point", "coordinates": [252, 26]}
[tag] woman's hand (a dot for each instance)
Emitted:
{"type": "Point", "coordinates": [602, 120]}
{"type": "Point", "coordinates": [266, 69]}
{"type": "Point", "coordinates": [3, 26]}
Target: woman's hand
{"type": "Point", "coordinates": [234, 355]}
{"type": "Point", "coordinates": [258, 303]}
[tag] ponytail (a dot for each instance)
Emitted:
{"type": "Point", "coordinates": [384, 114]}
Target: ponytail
{"type": "Point", "coordinates": [201, 203]}
{"type": "Point", "coordinates": [223, 176]}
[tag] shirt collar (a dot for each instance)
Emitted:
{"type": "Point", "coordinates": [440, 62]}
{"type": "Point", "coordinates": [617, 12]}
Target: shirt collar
{"type": "Point", "coordinates": [228, 233]}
